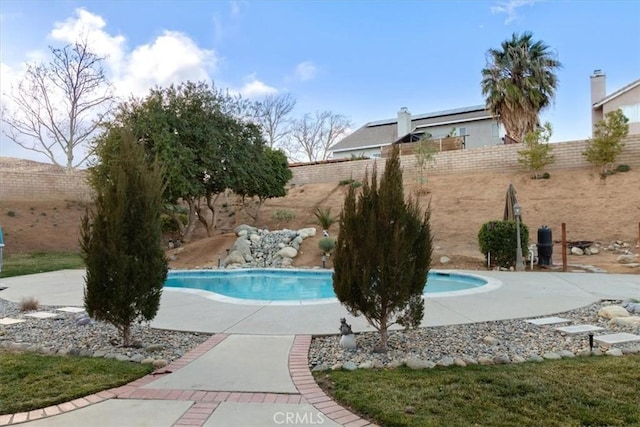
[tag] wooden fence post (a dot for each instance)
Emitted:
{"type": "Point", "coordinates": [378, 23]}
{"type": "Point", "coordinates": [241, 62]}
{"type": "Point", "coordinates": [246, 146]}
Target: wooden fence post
{"type": "Point", "coordinates": [564, 247]}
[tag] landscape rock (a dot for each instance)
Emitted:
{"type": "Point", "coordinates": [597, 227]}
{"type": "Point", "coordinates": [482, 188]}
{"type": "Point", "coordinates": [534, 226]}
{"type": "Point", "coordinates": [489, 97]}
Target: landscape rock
{"type": "Point", "coordinates": [247, 229]}
{"type": "Point", "coordinates": [566, 354]}
{"type": "Point", "coordinates": [611, 311]}
{"type": "Point", "coordinates": [484, 360]}
{"type": "Point", "coordinates": [415, 363]}
{"type": "Point", "coordinates": [616, 352]}
{"type": "Point", "coordinates": [577, 251]}
{"type": "Point", "coordinates": [242, 246]}
{"type": "Point", "coordinates": [518, 359]}
{"type": "Point", "coordinates": [551, 356]}
{"type": "Point", "coordinates": [501, 359]}
{"type": "Point", "coordinates": [287, 252]}
{"type": "Point", "coordinates": [365, 365]}
{"type": "Point", "coordinates": [307, 232]}
{"type": "Point", "coordinates": [154, 347]}
{"type": "Point", "coordinates": [594, 250]}
{"type": "Point", "coordinates": [489, 340]}
{"type": "Point", "coordinates": [535, 358]}
{"type": "Point", "coordinates": [349, 366]}
{"type": "Point", "coordinates": [633, 321]}
{"type": "Point", "coordinates": [445, 260]}
{"type": "Point", "coordinates": [459, 362]}
{"type": "Point", "coordinates": [160, 363]}
{"type": "Point", "coordinates": [445, 361]}
{"type": "Point", "coordinates": [626, 259]}
{"type": "Point", "coordinates": [235, 257]}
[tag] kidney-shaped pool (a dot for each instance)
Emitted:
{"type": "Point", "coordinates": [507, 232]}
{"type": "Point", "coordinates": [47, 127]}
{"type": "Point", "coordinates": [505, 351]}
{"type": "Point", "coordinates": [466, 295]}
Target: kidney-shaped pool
{"type": "Point", "coordinates": [273, 286]}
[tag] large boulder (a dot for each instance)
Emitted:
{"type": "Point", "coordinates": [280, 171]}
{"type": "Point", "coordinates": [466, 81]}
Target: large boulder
{"type": "Point", "coordinates": [625, 321]}
{"type": "Point", "coordinates": [242, 246]}
{"type": "Point", "coordinates": [307, 232]}
{"type": "Point", "coordinates": [244, 229]}
{"type": "Point", "coordinates": [611, 311]}
{"type": "Point", "coordinates": [626, 259]}
{"type": "Point", "coordinates": [235, 257]}
{"type": "Point", "coordinates": [287, 252]}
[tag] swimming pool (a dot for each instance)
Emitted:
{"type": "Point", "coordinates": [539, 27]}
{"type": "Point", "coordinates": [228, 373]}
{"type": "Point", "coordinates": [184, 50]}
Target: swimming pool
{"type": "Point", "coordinates": [300, 286]}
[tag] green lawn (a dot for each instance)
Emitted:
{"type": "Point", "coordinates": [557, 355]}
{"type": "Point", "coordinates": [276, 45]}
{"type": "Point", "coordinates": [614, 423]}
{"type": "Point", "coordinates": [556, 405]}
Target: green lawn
{"type": "Point", "coordinates": [39, 262]}
{"type": "Point", "coordinates": [594, 391]}
{"type": "Point", "coordinates": [32, 381]}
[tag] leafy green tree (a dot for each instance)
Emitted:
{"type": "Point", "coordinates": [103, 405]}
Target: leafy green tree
{"type": "Point", "coordinates": [383, 253]}
{"type": "Point", "coordinates": [518, 82]}
{"type": "Point", "coordinates": [196, 132]}
{"type": "Point", "coordinates": [537, 155]}
{"type": "Point", "coordinates": [121, 238]}
{"type": "Point", "coordinates": [266, 173]}
{"type": "Point", "coordinates": [607, 144]}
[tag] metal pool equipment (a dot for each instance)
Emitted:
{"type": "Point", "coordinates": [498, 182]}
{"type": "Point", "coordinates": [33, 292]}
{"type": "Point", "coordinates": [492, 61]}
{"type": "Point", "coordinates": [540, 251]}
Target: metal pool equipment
{"type": "Point", "coordinates": [545, 245]}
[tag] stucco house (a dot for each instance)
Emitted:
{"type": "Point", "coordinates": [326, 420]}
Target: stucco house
{"type": "Point", "coordinates": [474, 125]}
{"type": "Point", "coordinates": [627, 99]}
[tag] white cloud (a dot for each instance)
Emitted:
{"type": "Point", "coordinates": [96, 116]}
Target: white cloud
{"type": "Point", "coordinates": [306, 70]}
{"type": "Point", "coordinates": [254, 88]}
{"type": "Point", "coordinates": [87, 26]}
{"type": "Point", "coordinates": [509, 7]}
{"type": "Point", "coordinates": [172, 57]}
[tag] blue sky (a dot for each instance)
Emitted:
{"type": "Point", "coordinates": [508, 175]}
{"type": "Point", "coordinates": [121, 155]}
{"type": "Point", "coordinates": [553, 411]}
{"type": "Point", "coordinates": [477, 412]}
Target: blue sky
{"type": "Point", "coordinates": [363, 59]}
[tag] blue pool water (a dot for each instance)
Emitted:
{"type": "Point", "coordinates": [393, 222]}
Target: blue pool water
{"type": "Point", "coordinates": [293, 285]}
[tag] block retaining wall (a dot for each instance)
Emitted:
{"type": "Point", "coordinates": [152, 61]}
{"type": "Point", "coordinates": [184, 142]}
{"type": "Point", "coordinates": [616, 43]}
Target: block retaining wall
{"type": "Point", "coordinates": [21, 185]}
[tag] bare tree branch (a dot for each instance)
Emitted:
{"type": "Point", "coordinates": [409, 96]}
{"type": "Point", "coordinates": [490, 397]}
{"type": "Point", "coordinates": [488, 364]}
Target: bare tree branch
{"type": "Point", "coordinates": [59, 106]}
{"type": "Point", "coordinates": [271, 114]}
{"type": "Point", "coordinates": [313, 136]}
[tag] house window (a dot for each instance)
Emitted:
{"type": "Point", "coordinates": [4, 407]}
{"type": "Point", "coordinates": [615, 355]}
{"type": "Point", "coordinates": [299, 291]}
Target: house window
{"type": "Point", "coordinates": [631, 112]}
{"type": "Point", "coordinates": [462, 131]}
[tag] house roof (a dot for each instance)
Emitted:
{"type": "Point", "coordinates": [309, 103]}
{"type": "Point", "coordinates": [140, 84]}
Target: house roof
{"type": "Point", "coordinates": [384, 132]}
{"type": "Point", "coordinates": [617, 93]}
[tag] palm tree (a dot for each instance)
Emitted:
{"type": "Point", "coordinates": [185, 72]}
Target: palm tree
{"type": "Point", "coordinates": [519, 82]}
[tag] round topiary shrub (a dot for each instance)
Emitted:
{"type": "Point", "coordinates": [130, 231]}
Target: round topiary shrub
{"type": "Point", "coordinates": [499, 239]}
{"type": "Point", "coordinates": [327, 244]}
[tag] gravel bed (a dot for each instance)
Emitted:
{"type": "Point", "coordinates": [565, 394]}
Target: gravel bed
{"type": "Point", "coordinates": [61, 335]}
{"type": "Point", "coordinates": [493, 342]}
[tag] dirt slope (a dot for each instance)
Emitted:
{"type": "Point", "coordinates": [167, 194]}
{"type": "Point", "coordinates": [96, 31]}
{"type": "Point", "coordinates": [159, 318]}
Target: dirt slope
{"type": "Point", "coordinates": [593, 209]}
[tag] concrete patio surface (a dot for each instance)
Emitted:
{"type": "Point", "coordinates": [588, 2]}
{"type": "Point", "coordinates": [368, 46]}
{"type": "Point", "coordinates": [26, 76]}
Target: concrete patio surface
{"type": "Point", "coordinates": [254, 370]}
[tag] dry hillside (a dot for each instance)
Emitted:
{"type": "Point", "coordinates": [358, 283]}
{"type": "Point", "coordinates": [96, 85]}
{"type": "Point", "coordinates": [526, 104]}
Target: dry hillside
{"type": "Point", "coordinates": [593, 209]}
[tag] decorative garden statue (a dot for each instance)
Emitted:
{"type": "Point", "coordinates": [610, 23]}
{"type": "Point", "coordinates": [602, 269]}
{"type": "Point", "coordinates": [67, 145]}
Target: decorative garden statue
{"type": "Point", "coordinates": [347, 339]}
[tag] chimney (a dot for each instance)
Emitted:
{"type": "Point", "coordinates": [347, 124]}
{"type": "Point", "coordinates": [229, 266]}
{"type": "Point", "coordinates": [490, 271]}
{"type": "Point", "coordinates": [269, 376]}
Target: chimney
{"type": "Point", "coordinates": [404, 122]}
{"type": "Point", "coordinates": [598, 93]}
{"type": "Point", "coordinates": [598, 90]}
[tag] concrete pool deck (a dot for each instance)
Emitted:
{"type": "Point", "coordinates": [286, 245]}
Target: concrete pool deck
{"type": "Point", "coordinates": [254, 371]}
